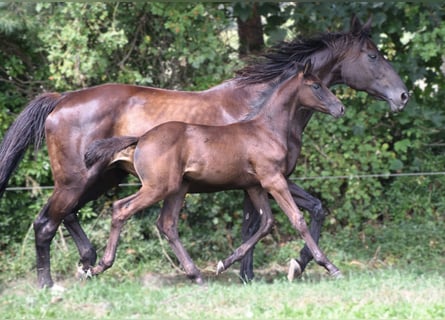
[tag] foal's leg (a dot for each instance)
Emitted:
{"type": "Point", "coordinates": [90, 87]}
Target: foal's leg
{"type": "Point", "coordinates": [251, 221]}
{"type": "Point", "coordinates": [260, 200]}
{"type": "Point", "coordinates": [278, 188]}
{"type": "Point", "coordinates": [168, 225]}
{"type": "Point", "coordinates": [122, 210]}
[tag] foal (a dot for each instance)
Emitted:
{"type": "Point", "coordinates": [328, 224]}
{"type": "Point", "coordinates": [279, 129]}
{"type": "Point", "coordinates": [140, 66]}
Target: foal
{"type": "Point", "coordinates": [249, 155]}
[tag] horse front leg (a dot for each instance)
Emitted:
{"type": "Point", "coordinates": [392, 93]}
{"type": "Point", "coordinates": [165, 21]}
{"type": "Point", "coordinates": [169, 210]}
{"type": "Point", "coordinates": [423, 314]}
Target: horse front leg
{"type": "Point", "coordinates": [168, 225]}
{"type": "Point", "coordinates": [317, 214]}
{"type": "Point", "coordinates": [251, 222]}
{"type": "Point", "coordinates": [278, 188]}
{"type": "Point", "coordinates": [260, 202]}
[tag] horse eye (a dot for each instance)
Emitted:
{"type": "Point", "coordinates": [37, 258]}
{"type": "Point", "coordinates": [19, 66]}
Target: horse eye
{"type": "Point", "coordinates": [372, 56]}
{"type": "Point", "coordinates": [316, 86]}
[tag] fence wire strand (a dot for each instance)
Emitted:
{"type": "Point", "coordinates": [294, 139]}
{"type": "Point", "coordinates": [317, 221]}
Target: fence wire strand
{"type": "Point", "coordinates": [349, 177]}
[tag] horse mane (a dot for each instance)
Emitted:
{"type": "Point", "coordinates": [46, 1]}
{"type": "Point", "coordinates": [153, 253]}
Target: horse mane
{"type": "Point", "coordinates": [278, 59]}
{"type": "Point", "coordinates": [291, 70]}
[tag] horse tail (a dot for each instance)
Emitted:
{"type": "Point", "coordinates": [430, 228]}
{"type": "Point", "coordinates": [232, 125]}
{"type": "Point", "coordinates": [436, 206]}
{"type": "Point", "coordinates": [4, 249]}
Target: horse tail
{"type": "Point", "coordinates": [102, 151]}
{"type": "Point", "coordinates": [27, 129]}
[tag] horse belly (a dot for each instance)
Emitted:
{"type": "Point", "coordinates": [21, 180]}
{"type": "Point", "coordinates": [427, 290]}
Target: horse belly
{"type": "Point", "coordinates": [217, 174]}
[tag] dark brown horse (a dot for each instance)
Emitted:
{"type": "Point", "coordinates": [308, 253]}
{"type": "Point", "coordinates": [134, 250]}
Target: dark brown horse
{"type": "Point", "coordinates": [72, 120]}
{"type": "Point", "coordinates": [175, 157]}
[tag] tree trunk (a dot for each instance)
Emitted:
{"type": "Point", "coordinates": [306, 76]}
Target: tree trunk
{"type": "Point", "coordinates": [250, 32]}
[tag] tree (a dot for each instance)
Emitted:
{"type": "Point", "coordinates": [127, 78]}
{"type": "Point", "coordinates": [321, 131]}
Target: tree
{"type": "Point", "coordinates": [250, 29]}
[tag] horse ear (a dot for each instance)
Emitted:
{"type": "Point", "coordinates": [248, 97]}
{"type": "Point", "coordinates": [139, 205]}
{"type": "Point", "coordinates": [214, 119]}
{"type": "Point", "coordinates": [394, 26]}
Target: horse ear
{"type": "Point", "coordinates": [367, 26]}
{"type": "Point", "coordinates": [307, 67]}
{"type": "Point", "coordinates": [356, 25]}
{"type": "Point", "coordinates": [357, 28]}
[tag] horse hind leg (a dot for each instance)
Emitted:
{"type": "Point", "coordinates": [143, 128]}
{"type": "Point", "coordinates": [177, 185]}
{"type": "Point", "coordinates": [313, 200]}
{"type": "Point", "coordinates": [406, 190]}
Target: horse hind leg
{"type": "Point", "coordinates": [260, 201]}
{"type": "Point", "coordinates": [168, 225]}
{"type": "Point", "coordinates": [122, 210]}
{"type": "Point", "coordinates": [45, 227]}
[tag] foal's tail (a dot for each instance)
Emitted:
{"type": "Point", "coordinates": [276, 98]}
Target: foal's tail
{"type": "Point", "coordinates": [27, 129]}
{"type": "Point", "coordinates": [101, 152]}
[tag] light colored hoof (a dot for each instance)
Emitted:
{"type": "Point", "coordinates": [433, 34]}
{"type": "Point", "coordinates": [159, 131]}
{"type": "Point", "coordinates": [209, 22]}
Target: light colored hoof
{"type": "Point", "coordinates": [57, 290]}
{"type": "Point", "coordinates": [337, 275]}
{"type": "Point", "coordinates": [81, 274]}
{"type": "Point", "coordinates": [220, 268]}
{"type": "Point", "coordinates": [294, 270]}
{"type": "Point", "coordinates": [199, 281]}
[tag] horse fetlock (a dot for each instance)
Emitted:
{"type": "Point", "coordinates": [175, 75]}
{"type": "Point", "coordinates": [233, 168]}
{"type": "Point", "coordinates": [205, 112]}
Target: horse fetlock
{"type": "Point", "coordinates": [100, 268]}
{"type": "Point", "coordinates": [88, 258]}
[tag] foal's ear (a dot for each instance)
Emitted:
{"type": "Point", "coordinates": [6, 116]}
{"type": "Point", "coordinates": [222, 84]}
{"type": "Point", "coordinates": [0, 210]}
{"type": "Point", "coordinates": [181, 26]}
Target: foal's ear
{"type": "Point", "coordinates": [357, 28]}
{"type": "Point", "coordinates": [307, 67]}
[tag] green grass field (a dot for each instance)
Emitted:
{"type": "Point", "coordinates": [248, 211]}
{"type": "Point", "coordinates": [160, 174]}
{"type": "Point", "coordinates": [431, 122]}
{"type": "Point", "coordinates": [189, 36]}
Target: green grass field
{"type": "Point", "coordinates": [383, 294]}
{"type": "Point", "coordinates": [390, 272]}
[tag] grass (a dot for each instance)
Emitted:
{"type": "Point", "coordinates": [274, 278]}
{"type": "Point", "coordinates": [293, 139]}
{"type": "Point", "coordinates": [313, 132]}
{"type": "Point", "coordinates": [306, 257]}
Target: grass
{"type": "Point", "coordinates": [383, 294]}
{"type": "Point", "coordinates": [390, 272]}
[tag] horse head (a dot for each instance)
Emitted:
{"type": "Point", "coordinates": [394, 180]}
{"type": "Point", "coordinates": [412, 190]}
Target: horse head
{"type": "Point", "coordinates": [365, 68]}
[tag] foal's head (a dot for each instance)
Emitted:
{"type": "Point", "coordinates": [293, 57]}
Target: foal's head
{"type": "Point", "coordinates": [314, 94]}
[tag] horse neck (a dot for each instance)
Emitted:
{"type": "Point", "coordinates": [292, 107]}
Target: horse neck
{"type": "Point", "coordinates": [281, 109]}
{"type": "Point", "coordinates": [327, 65]}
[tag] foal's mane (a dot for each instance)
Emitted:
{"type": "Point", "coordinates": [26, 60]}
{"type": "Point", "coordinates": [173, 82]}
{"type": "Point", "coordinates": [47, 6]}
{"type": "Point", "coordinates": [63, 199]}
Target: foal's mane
{"type": "Point", "coordinates": [291, 70]}
{"type": "Point", "coordinates": [278, 59]}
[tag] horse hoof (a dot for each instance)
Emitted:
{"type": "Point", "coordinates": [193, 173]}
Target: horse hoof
{"type": "Point", "coordinates": [294, 270]}
{"type": "Point", "coordinates": [57, 289]}
{"type": "Point", "coordinates": [199, 281]}
{"type": "Point", "coordinates": [83, 274]}
{"type": "Point", "coordinates": [220, 268]}
{"type": "Point", "coordinates": [336, 274]}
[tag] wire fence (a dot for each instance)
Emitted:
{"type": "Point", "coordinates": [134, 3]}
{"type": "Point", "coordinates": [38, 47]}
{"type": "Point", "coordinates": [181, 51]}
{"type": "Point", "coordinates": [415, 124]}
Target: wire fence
{"type": "Point", "coordinates": [349, 177]}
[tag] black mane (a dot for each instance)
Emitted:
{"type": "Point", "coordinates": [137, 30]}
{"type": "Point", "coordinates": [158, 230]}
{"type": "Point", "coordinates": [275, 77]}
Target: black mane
{"type": "Point", "coordinates": [279, 58]}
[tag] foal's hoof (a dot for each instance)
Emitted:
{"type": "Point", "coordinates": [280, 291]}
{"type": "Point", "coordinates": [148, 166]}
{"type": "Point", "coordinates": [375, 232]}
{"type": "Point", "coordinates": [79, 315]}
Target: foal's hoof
{"type": "Point", "coordinates": [220, 268]}
{"type": "Point", "coordinates": [83, 274]}
{"type": "Point", "coordinates": [57, 289]}
{"type": "Point", "coordinates": [199, 281]}
{"type": "Point", "coordinates": [294, 270]}
{"type": "Point", "coordinates": [336, 274]}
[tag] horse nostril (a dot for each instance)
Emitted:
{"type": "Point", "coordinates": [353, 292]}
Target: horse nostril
{"type": "Point", "coordinates": [405, 97]}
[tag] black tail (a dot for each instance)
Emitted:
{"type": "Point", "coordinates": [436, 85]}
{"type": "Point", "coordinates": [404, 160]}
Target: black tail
{"type": "Point", "coordinates": [102, 151]}
{"type": "Point", "coordinates": [28, 128]}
